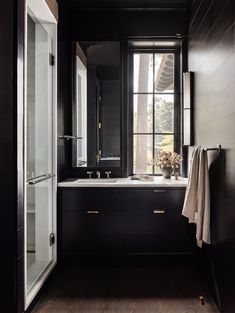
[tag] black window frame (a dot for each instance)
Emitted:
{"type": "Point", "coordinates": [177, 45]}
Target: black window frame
{"type": "Point", "coordinates": [177, 98]}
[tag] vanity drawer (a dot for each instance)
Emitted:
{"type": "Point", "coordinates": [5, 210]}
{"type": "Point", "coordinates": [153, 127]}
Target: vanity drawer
{"type": "Point", "coordinates": [155, 199]}
{"type": "Point", "coordinates": [73, 199]}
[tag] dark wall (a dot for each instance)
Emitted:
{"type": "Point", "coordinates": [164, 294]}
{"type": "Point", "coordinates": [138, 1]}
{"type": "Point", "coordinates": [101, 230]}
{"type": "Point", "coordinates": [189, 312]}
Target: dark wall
{"type": "Point", "coordinates": [119, 24]}
{"type": "Point", "coordinates": [103, 24]}
{"type": "Point", "coordinates": [212, 58]}
{"type": "Point", "coordinates": [11, 145]}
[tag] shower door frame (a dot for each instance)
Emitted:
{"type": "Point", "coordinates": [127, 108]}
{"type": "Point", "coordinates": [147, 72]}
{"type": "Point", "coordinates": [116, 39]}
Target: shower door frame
{"type": "Point", "coordinates": [43, 14]}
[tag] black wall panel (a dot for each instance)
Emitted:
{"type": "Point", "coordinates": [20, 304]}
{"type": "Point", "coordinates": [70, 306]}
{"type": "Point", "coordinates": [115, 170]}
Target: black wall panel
{"type": "Point", "coordinates": [11, 154]}
{"type": "Point", "coordinates": [212, 58]}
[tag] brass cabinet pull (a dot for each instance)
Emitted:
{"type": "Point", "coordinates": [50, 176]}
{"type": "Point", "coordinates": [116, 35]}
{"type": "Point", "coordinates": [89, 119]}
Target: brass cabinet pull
{"type": "Point", "coordinates": [93, 212]}
{"type": "Point", "coordinates": [159, 190]}
{"type": "Point", "coordinates": [159, 211]}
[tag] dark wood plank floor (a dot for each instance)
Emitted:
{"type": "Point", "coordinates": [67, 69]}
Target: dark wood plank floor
{"type": "Point", "coordinates": [129, 290]}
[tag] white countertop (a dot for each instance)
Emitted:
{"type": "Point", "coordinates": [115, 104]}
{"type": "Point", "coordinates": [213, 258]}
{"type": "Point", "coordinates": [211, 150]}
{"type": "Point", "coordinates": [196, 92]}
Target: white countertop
{"type": "Point", "coordinates": [125, 182]}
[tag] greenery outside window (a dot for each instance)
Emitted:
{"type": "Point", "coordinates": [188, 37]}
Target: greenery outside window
{"type": "Point", "coordinates": [154, 98]}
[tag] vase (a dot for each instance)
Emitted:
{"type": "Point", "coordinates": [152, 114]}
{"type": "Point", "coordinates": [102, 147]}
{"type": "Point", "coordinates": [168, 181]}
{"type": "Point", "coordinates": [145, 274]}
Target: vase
{"type": "Point", "coordinates": [167, 171]}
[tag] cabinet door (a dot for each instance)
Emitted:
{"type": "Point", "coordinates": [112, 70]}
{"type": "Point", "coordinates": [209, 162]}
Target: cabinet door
{"type": "Point", "coordinates": [93, 221]}
{"type": "Point", "coordinates": [149, 232]}
{"type": "Point", "coordinates": [155, 223]}
{"type": "Point", "coordinates": [92, 232]}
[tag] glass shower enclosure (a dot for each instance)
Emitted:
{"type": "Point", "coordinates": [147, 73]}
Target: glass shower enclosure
{"type": "Point", "coordinates": [39, 152]}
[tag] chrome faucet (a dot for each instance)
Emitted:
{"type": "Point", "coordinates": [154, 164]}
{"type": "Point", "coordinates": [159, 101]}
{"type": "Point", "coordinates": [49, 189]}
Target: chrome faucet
{"type": "Point", "coordinates": [89, 174]}
{"type": "Point", "coordinates": [98, 174]}
{"type": "Point", "coordinates": [108, 173]}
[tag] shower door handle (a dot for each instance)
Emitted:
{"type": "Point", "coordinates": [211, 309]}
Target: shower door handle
{"type": "Point", "coordinates": [39, 179]}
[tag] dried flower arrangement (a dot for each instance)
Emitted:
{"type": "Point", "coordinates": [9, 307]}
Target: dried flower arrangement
{"type": "Point", "coordinates": [167, 159]}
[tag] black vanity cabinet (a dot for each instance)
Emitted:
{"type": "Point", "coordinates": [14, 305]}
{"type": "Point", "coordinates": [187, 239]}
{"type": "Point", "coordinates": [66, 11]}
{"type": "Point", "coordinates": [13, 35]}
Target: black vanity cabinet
{"type": "Point", "coordinates": [122, 221]}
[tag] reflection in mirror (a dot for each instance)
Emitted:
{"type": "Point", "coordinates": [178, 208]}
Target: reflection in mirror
{"type": "Point", "coordinates": [96, 104]}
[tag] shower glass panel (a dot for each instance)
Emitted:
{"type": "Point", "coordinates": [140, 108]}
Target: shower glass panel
{"type": "Point", "coordinates": [39, 151]}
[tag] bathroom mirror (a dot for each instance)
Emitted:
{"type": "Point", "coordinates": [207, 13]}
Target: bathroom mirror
{"type": "Point", "coordinates": [96, 104]}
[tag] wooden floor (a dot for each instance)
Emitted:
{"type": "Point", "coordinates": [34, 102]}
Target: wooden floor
{"type": "Point", "coordinates": [129, 290]}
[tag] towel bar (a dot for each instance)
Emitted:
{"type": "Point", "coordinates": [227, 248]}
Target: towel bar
{"type": "Point", "coordinates": [218, 148]}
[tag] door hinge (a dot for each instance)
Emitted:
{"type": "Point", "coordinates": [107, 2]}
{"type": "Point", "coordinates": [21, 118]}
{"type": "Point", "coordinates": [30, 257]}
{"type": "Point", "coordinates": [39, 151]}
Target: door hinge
{"type": "Point", "coordinates": [100, 125]}
{"type": "Point", "coordinates": [51, 59]}
{"type": "Point", "coordinates": [51, 239]}
{"type": "Point", "coordinates": [100, 98]}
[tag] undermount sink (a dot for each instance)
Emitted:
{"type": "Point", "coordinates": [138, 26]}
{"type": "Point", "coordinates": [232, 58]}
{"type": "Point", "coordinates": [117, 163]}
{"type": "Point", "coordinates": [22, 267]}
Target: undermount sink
{"type": "Point", "coordinates": [96, 180]}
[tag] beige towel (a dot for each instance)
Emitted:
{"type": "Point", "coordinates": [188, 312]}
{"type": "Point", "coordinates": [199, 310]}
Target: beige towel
{"type": "Point", "coordinates": [197, 198]}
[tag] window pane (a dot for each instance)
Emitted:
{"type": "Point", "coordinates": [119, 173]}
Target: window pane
{"type": "Point", "coordinates": [163, 143]}
{"type": "Point", "coordinates": [164, 113]}
{"type": "Point", "coordinates": [143, 113]}
{"type": "Point", "coordinates": [143, 72]}
{"type": "Point", "coordinates": [164, 73]}
{"type": "Point", "coordinates": [143, 154]}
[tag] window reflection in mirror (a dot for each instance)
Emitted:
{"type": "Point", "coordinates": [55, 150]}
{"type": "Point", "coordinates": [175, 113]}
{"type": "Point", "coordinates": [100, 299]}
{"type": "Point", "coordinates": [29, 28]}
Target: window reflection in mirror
{"type": "Point", "coordinates": [96, 104]}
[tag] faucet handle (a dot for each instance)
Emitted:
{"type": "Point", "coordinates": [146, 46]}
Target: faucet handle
{"type": "Point", "coordinates": [108, 173]}
{"type": "Point", "coordinates": [89, 173]}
